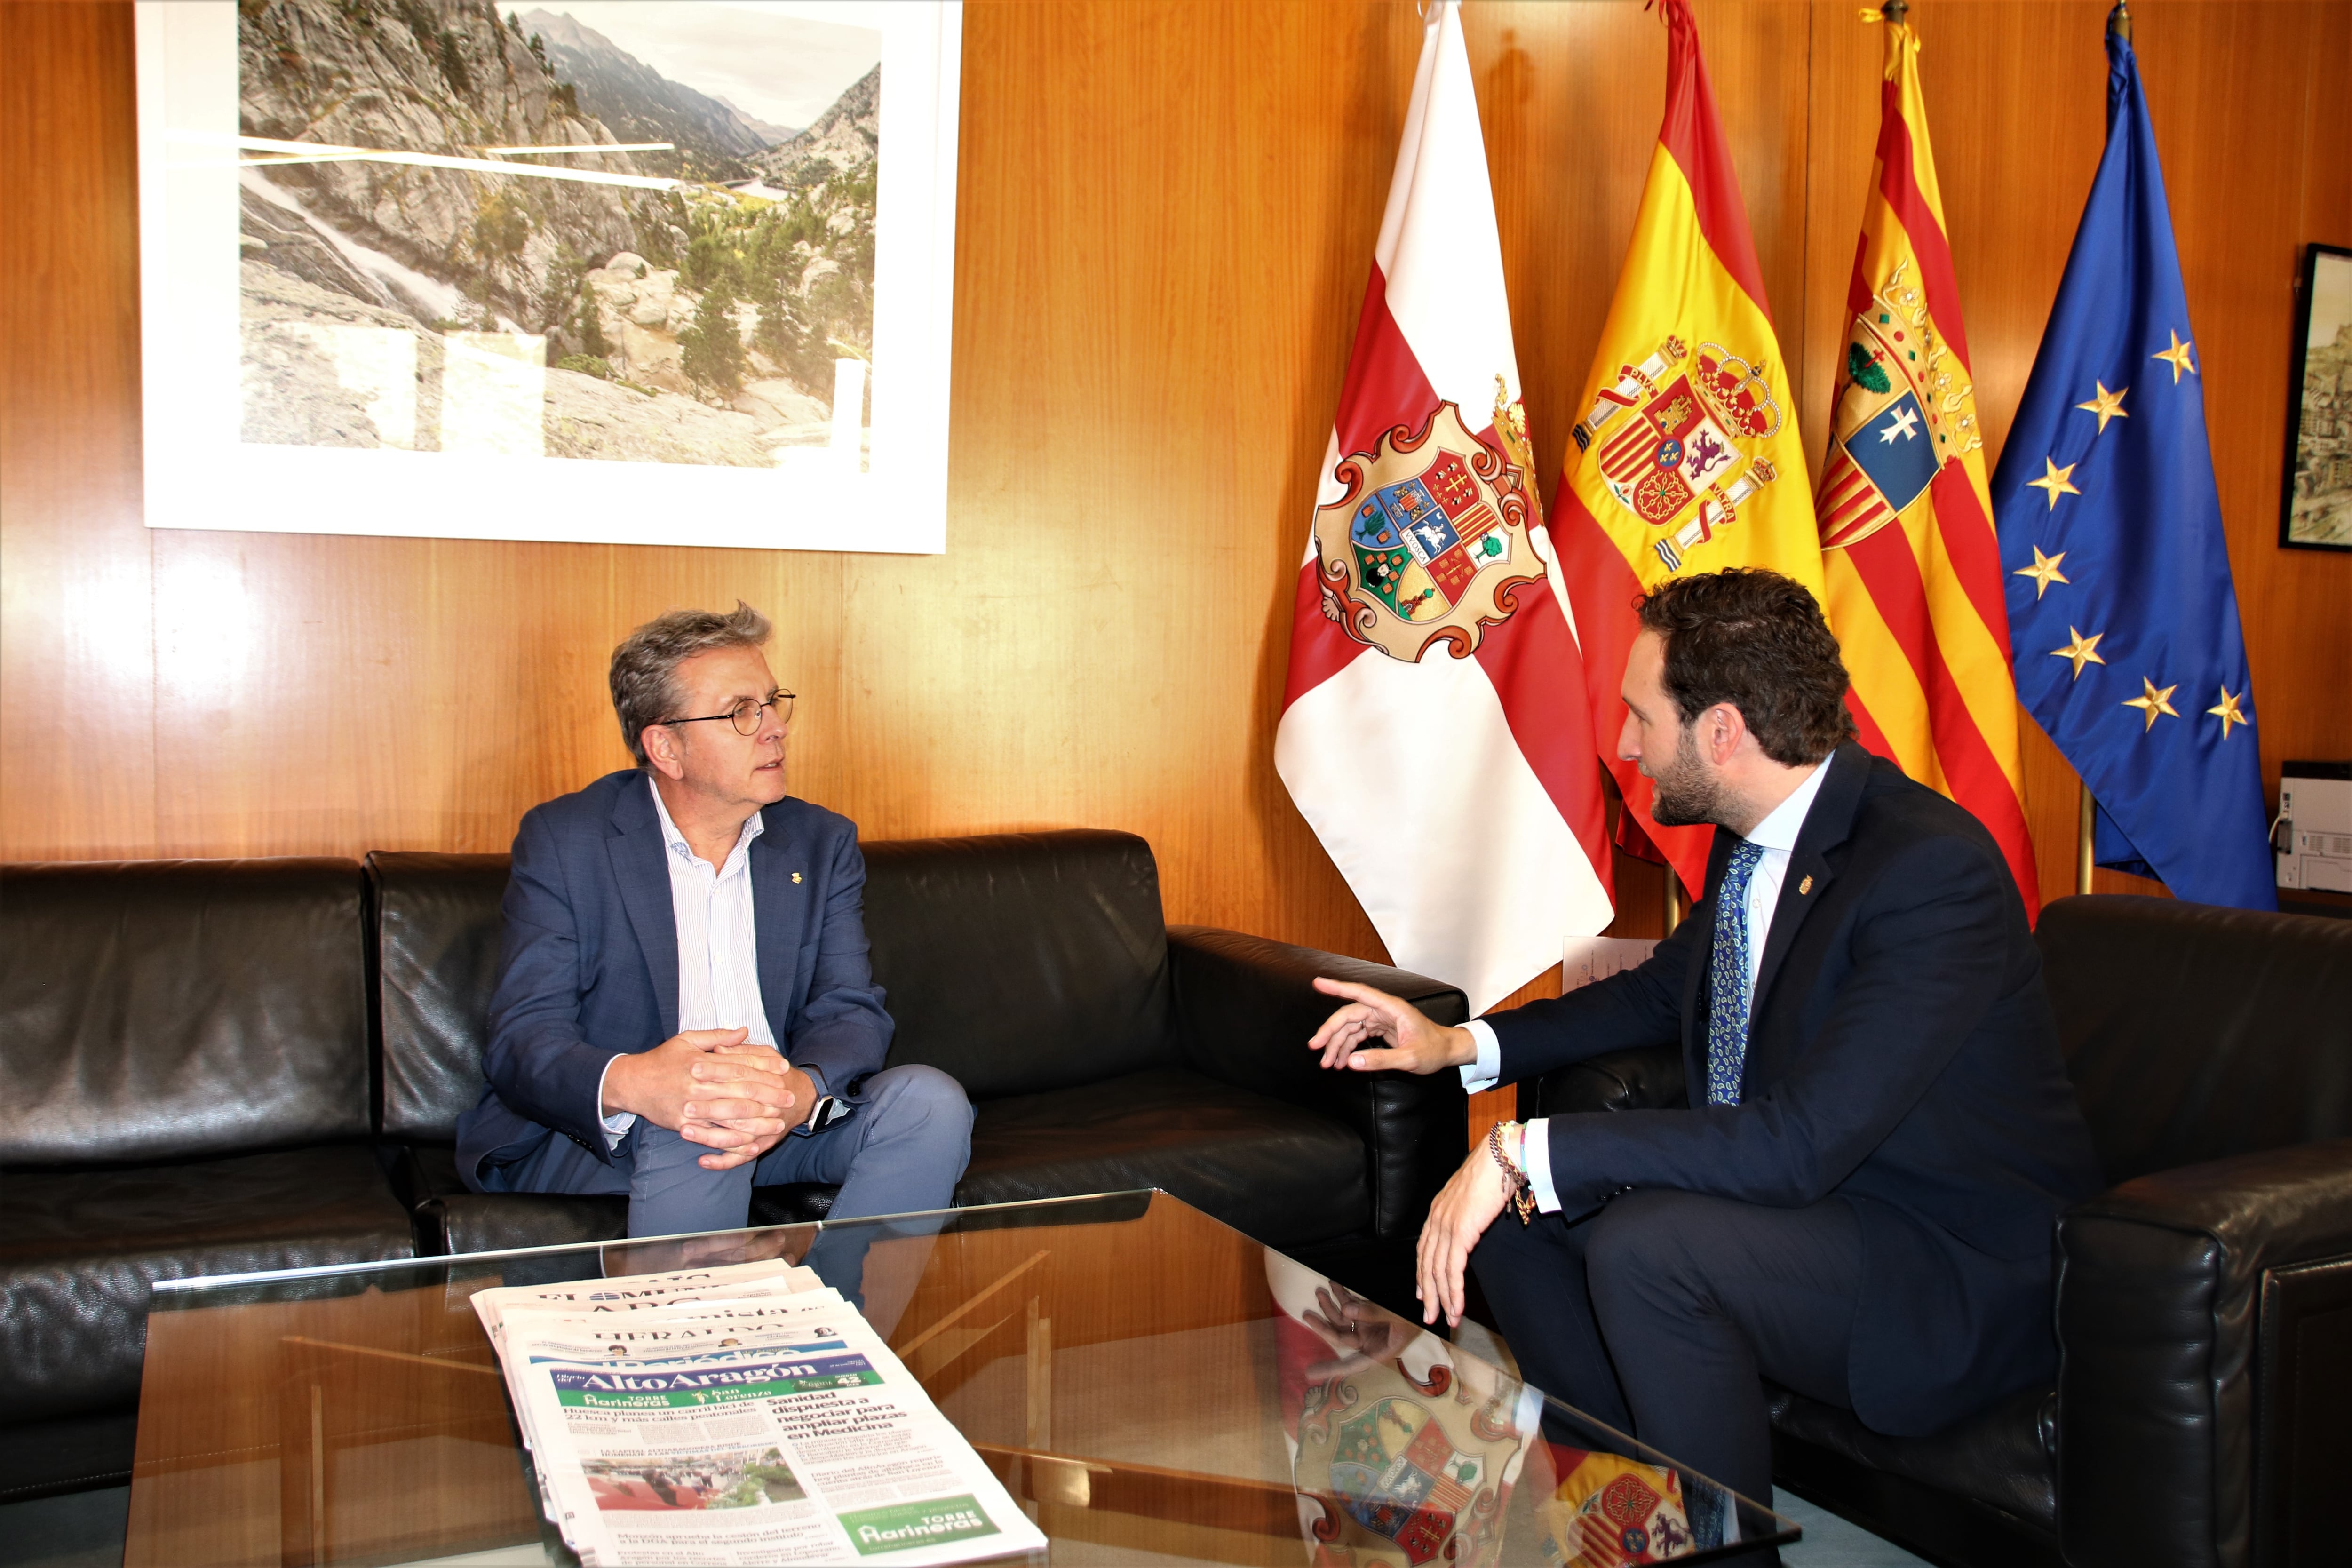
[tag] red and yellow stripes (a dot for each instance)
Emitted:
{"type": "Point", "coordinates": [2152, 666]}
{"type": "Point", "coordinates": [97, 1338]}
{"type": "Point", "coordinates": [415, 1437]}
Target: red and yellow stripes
{"type": "Point", "coordinates": [1913, 577]}
{"type": "Point", "coordinates": [1689, 314]}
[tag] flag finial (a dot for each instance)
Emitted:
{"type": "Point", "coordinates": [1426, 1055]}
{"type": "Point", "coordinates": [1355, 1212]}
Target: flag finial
{"type": "Point", "coordinates": [1894, 11]}
{"type": "Point", "coordinates": [2118, 21]}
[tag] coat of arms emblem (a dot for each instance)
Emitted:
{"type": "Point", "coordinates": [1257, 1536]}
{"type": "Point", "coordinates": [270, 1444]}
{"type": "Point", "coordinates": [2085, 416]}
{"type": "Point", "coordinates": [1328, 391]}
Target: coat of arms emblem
{"type": "Point", "coordinates": [1677, 439]}
{"type": "Point", "coordinates": [1902, 413]}
{"type": "Point", "coordinates": [1428, 541]}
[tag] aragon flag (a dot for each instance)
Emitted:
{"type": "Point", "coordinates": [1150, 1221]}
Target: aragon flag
{"type": "Point", "coordinates": [1907, 544]}
{"type": "Point", "coordinates": [1432, 730]}
{"type": "Point", "coordinates": [1687, 458]}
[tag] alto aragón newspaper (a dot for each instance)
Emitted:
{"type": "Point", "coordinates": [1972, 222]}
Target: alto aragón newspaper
{"type": "Point", "coordinates": [743, 1414]}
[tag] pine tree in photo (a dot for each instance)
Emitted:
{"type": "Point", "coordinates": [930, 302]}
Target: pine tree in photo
{"type": "Point", "coordinates": [710, 352]}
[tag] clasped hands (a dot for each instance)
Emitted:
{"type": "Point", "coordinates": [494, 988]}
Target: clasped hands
{"type": "Point", "coordinates": [713, 1088]}
{"type": "Point", "coordinates": [1377, 1032]}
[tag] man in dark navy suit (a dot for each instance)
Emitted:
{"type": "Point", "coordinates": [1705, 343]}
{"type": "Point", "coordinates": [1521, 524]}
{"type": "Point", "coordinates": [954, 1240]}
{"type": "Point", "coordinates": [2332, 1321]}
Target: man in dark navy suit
{"type": "Point", "coordinates": [684, 1004]}
{"type": "Point", "coordinates": [1858, 1199]}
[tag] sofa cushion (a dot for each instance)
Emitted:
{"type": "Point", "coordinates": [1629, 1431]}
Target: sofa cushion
{"type": "Point", "coordinates": [1278, 1174]}
{"type": "Point", "coordinates": [2005, 1457]}
{"type": "Point", "coordinates": [79, 1250]}
{"type": "Point", "coordinates": [2193, 1033]}
{"type": "Point", "coordinates": [71, 1453]}
{"type": "Point", "coordinates": [173, 1009]}
{"type": "Point", "coordinates": [1019, 962]}
{"type": "Point", "coordinates": [436, 933]}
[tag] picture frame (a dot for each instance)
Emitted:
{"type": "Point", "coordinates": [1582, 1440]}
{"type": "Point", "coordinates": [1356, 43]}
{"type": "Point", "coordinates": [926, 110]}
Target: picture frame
{"type": "Point", "coordinates": [2316, 482]}
{"type": "Point", "coordinates": [416, 269]}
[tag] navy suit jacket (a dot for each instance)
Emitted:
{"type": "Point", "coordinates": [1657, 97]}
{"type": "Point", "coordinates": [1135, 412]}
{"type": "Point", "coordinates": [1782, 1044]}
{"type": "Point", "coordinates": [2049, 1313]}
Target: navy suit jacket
{"type": "Point", "coordinates": [1902, 1055]}
{"type": "Point", "coordinates": [589, 966]}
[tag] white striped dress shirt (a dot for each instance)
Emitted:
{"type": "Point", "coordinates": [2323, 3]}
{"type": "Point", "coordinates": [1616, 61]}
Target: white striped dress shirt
{"type": "Point", "coordinates": [717, 952]}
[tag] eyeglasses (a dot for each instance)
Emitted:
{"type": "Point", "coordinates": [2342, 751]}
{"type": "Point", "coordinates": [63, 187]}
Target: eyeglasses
{"type": "Point", "coordinates": [745, 714]}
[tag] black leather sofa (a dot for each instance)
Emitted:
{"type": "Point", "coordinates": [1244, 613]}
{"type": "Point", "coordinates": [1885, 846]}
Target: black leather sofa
{"type": "Point", "coordinates": [217, 1066]}
{"type": "Point", "coordinates": [184, 1090]}
{"type": "Point", "coordinates": [2202, 1414]}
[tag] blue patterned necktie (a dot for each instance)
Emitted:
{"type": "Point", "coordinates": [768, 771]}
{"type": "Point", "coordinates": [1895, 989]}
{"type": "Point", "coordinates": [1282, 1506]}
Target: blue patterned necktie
{"type": "Point", "coordinates": [1727, 1012]}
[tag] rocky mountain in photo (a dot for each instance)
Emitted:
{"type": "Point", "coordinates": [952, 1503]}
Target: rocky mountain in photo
{"type": "Point", "coordinates": [436, 75]}
{"type": "Point", "coordinates": [841, 140]}
{"type": "Point", "coordinates": [699, 324]}
{"type": "Point", "coordinates": [640, 104]}
{"type": "Point", "coordinates": [772, 134]}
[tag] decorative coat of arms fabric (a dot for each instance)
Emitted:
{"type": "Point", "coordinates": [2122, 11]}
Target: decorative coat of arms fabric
{"type": "Point", "coordinates": [1608, 1512]}
{"type": "Point", "coordinates": [1687, 458]}
{"type": "Point", "coordinates": [1434, 730]}
{"type": "Point", "coordinates": [1909, 558]}
{"type": "Point", "coordinates": [1404, 1454]}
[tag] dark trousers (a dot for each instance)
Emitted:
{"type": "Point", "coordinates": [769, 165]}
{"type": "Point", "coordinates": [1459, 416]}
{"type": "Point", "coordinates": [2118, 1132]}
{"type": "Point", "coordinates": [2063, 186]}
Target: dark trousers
{"type": "Point", "coordinates": [1660, 1314]}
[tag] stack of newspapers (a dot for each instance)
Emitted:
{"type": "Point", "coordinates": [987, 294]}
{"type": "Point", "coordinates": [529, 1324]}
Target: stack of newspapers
{"type": "Point", "coordinates": [741, 1414]}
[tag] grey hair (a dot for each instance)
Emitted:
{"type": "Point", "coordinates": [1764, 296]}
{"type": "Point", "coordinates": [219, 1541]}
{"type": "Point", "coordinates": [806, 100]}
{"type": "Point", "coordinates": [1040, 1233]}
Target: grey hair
{"type": "Point", "coordinates": [644, 666]}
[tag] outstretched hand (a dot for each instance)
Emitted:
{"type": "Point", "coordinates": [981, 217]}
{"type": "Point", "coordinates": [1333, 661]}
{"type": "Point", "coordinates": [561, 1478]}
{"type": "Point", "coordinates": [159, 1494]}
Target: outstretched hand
{"type": "Point", "coordinates": [1360, 1333]}
{"type": "Point", "coordinates": [1353, 1036]}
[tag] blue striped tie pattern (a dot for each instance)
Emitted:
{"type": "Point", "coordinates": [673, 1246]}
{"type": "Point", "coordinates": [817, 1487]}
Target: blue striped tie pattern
{"type": "Point", "coordinates": [1727, 1013]}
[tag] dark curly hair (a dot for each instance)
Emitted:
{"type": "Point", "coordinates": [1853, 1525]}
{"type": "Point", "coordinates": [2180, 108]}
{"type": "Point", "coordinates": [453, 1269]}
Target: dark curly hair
{"type": "Point", "coordinates": [1759, 641]}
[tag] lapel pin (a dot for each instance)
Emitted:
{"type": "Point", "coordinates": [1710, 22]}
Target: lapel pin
{"type": "Point", "coordinates": [1802, 887]}
{"type": "Point", "coordinates": [796, 877]}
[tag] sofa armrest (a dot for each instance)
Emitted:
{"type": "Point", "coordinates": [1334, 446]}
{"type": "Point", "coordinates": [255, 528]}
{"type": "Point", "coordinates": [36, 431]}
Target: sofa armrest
{"type": "Point", "coordinates": [1246, 1007]}
{"type": "Point", "coordinates": [1640, 1078]}
{"type": "Point", "coordinates": [2162, 1283]}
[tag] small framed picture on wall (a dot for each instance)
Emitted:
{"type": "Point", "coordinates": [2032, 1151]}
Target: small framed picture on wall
{"type": "Point", "coordinates": [2315, 502]}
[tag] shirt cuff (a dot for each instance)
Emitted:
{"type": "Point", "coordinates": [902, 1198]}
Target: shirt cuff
{"type": "Point", "coordinates": [1535, 1154]}
{"type": "Point", "coordinates": [1478, 1077]}
{"type": "Point", "coordinates": [617, 1125]}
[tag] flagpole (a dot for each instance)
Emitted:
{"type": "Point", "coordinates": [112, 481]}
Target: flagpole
{"type": "Point", "coordinates": [2083, 863]}
{"type": "Point", "coordinates": [1677, 900]}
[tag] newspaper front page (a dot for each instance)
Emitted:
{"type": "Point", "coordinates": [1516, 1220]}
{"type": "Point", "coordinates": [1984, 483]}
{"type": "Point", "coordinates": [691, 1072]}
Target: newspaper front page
{"type": "Point", "coordinates": [681, 1419]}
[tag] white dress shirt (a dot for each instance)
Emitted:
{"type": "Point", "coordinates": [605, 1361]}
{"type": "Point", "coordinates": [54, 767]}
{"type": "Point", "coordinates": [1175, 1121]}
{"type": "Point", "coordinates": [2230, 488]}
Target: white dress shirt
{"type": "Point", "coordinates": [717, 953]}
{"type": "Point", "coordinates": [1777, 837]}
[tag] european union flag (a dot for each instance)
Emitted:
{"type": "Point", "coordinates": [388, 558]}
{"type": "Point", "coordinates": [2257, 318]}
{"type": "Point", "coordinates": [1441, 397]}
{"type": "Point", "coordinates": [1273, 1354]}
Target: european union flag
{"type": "Point", "coordinates": [2123, 621]}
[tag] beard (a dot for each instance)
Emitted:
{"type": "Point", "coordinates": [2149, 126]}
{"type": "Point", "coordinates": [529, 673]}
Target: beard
{"type": "Point", "coordinates": [1688, 794]}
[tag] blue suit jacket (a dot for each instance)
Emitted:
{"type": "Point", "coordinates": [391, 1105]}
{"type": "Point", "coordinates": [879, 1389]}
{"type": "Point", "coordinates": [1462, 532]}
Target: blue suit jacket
{"type": "Point", "coordinates": [589, 966]}
{"type": "Point", "coordinates": [1901, 1055]}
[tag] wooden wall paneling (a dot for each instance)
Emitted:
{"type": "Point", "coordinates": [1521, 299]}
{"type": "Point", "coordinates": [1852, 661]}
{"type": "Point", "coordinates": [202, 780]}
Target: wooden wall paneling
{"type": "Point", "coordinates": [1166, 216]}
{"type": "Point", "coordinates": [2246, 174]}
{"type": "Point", "coordinates": [77, 698]}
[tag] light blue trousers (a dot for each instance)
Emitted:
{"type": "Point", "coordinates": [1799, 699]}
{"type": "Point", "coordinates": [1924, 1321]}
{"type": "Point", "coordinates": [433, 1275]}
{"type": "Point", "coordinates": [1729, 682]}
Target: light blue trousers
{"type": "Point", "coordinates": [901, 1149]}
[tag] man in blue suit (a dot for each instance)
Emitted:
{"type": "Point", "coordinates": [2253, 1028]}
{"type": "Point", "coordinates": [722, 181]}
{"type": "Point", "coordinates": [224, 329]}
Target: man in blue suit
{"type": "Point", "coordinates": [1858, 1199]}
{"type": "Point", "coordinates": [684, 1005]}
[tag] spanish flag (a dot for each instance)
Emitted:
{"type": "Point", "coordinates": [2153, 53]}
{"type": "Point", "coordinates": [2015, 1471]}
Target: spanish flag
{"type": "Point", "coordinates": [1686, 458]}
{"type": "Point", "coordinates": [1908, 543]}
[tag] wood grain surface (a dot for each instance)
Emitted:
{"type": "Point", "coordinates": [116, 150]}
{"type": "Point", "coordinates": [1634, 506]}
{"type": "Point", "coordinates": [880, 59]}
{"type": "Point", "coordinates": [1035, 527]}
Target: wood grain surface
{"type": "Point", "coordinates": [1166, 212]}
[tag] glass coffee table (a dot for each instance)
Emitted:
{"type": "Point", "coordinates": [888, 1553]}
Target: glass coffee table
{"type": "Point", "coordinates": [1154, 1386]}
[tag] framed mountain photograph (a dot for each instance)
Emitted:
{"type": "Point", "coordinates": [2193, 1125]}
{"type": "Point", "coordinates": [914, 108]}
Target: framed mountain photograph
{"type": "Point", "coordinates": [617, 271]}
{"type": "Point", "coordinates": [2316, 507]}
